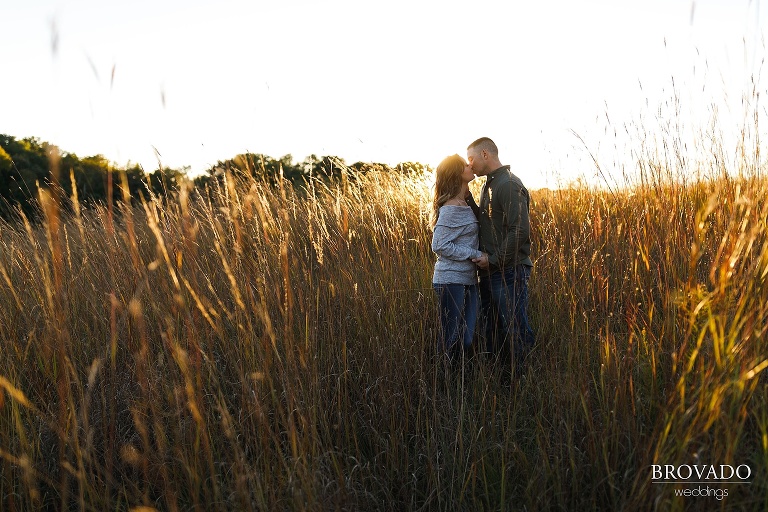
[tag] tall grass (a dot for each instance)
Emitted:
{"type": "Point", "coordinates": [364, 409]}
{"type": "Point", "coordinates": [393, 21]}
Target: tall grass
{"type": "Point", "coordinates": [263, 348]}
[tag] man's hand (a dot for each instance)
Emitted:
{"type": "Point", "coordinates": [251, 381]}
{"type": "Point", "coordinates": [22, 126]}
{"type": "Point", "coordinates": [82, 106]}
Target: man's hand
{"type": "Point", "coordinates": [482, 261]}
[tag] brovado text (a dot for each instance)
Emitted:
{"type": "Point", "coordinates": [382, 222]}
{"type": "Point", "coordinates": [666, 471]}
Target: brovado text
{"type": "Point", "coordinates": [700, 472]}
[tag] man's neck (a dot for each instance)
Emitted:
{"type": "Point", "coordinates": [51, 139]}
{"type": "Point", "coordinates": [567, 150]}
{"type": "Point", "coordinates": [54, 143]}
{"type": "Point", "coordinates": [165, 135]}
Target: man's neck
{"type": "Point", "coordinates": [495, 168]}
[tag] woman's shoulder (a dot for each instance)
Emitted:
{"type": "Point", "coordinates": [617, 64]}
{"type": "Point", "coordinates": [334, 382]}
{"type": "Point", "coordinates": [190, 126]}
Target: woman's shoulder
{"type": "Point", "coordinates": [456, 209]}
{"type": "Point", "coordinates": [455, 215]}
{"type": "Point", "coordinates": [454, 205]}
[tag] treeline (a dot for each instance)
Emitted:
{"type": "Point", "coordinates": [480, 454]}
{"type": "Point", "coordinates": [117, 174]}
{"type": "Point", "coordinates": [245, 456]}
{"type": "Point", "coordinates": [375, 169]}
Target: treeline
{"type": "Point", "coordinates": [326, 168]}
{"type": "Point", "coordinates": [28, 163]}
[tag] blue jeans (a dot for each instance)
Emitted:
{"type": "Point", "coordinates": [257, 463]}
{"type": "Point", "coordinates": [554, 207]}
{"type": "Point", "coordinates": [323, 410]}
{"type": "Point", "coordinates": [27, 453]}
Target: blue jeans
{"type": "Point", "coordinates": [504, 304]}
{"type": "Point", "coordinates": [458, 317]}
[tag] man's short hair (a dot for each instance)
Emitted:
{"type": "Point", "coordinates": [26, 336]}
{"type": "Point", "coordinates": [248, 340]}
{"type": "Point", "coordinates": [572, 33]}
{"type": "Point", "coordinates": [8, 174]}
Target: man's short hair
{"type": "Point", "coordinates": [485, 143]}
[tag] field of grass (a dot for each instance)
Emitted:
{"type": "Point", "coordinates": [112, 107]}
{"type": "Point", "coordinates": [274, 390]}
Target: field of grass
{"type": "Point", "coordinates": [262, 348]}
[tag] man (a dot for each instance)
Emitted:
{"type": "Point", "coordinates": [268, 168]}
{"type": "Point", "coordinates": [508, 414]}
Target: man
{"type": "Point", "coordinates": [505, 265]}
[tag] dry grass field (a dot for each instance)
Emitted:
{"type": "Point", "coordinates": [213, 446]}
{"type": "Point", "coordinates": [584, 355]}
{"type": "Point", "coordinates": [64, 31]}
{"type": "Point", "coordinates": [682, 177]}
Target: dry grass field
{"type": "Point", "coordinates": [264, 348]}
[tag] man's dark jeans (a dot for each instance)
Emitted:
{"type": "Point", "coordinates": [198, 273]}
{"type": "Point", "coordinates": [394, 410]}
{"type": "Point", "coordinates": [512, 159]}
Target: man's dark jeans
{"type": "Point", "coordinates": [458, 317]}
{"type": "Point", "coordinates": [504, 305]}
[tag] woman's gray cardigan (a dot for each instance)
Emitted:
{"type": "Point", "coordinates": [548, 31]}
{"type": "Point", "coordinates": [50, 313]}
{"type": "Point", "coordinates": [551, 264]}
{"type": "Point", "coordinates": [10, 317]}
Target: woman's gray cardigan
{"type": "Point", "coordinates": [455, 241]}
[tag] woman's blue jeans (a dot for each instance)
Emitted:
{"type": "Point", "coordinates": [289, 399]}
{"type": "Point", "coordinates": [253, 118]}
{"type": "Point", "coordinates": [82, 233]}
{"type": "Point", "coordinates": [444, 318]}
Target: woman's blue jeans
{"type": "Point", "coordinates": [458, 316]}
{"type": "Point", "coordinates": [504, 304]}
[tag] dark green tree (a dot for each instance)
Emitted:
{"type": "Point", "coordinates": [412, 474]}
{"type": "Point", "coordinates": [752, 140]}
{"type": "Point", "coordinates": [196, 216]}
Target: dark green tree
{"type": "Point", "coordinates": [28, 163]}
{"type": "Point", "coordinates": [323, 167]}
{"type": "Point", "coordinates": [28, 167]}
{"type": "Point", "coordinates": [259, 166]}
{"type": "Point", "coordinates": [166, 180]}
{"type": "Point", "coordinates": [412, 168]}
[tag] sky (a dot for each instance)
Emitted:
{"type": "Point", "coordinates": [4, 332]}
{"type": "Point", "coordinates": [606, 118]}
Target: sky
{"type": "Point", "coordinates": [189, 83]}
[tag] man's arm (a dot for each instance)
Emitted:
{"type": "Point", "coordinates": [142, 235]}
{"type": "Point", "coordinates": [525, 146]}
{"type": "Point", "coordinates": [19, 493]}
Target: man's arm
{"type": "Point", "coordinates": [513, 201]}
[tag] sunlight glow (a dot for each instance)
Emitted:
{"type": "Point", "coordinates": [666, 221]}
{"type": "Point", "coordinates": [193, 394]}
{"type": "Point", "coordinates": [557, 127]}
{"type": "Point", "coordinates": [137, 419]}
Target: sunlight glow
{"type": "Point", "coordinates": [191, 83]}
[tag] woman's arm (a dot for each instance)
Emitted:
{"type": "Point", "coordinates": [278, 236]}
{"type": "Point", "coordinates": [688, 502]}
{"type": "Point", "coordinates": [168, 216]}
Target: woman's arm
{"type": "Point", "coordinates": [444, 245]}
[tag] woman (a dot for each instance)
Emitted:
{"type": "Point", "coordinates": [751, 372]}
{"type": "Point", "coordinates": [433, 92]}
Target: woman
{"type": "Point", "coordinates": [455, 241]}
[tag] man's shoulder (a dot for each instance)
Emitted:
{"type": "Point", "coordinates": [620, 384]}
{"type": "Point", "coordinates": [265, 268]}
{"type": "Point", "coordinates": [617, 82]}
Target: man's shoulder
{"type": "Point", "coordinates": [514, 178]}
{"type": "Point", "coordinates": [509, 179]}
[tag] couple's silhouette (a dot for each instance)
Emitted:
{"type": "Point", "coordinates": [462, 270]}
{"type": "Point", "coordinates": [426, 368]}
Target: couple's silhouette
{"type": "Point", "coordinates": [483, 257]}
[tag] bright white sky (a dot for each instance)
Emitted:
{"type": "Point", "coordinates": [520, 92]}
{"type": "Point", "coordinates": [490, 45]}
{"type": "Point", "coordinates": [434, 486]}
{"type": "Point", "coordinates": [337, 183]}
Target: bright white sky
{"type": "Point", "coordinates": [374, 81]}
